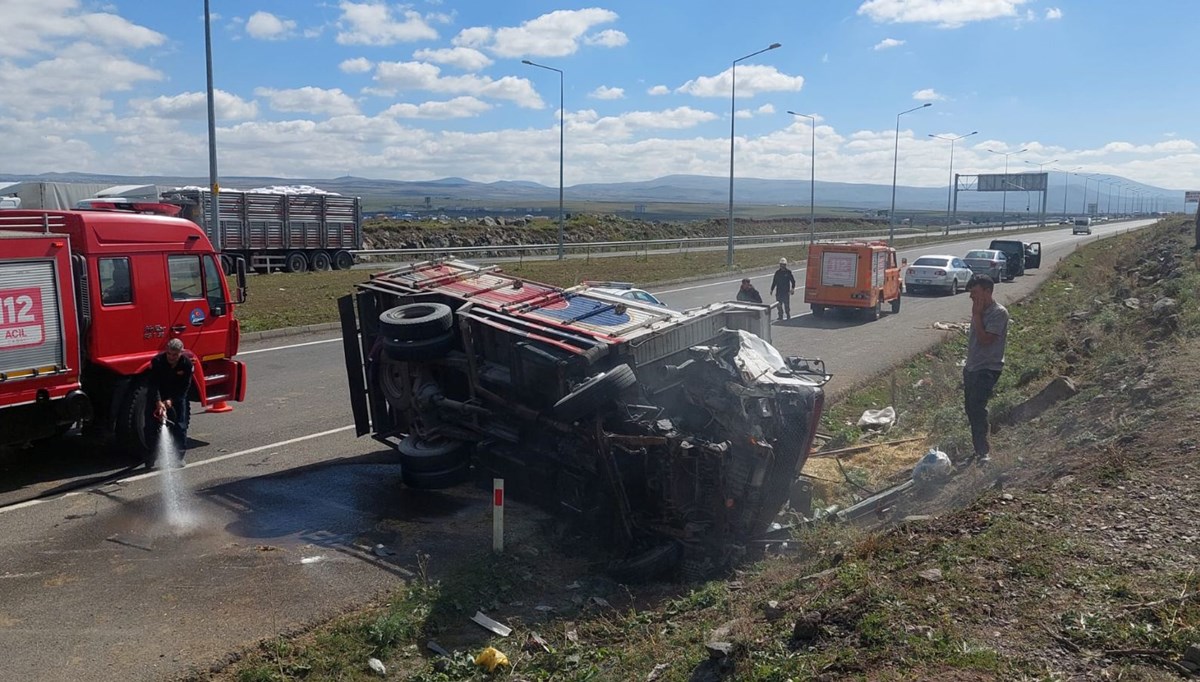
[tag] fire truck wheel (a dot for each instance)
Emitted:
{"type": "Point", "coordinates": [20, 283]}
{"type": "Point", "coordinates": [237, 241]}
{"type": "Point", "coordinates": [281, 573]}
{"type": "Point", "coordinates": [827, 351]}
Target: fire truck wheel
{"type": "Point", "coordinates": [436, 480]}
{"type": "Point", "coordinates": [594, 393]}
{"type": "Point", "coordinates": [343, 260]}
{"type": "Point", "coordinates": [422, 350]}
{"type": "Point", "coordinates": [296, 261]}
{"type": "Point", "coordinates": [896, 305]}
{"type": "Point", "coordinates": [416, 321]}
{"type": "Point", "coordinates": [426, 455]}
{"type": "Point", "coordinates": [321, 261]}
{"type": "Point", "coordinates": [131, 427]}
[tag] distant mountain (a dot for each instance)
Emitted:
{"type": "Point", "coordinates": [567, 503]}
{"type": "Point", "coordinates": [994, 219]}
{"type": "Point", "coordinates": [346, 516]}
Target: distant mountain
{"type": "Point", "coordinates": [688, 189]}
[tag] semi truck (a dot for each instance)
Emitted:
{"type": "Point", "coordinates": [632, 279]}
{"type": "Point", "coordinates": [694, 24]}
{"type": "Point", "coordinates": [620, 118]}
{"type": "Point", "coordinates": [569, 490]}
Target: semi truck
{"type": "Point", "coordinates": [87, 299]}
{"type": "Point", "coordinates": [675, 437]}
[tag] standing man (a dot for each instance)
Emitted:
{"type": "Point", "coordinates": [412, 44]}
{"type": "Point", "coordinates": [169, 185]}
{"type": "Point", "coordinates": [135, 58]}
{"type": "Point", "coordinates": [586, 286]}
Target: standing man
{"type": "Point", "coordinates": [783, 285]}
{"type": "Point", "coordinates": [748, 293]}
{"type": "Point", "coordinates": [170, 380]}
{"type": "Point", "coordinates": [985, 360]}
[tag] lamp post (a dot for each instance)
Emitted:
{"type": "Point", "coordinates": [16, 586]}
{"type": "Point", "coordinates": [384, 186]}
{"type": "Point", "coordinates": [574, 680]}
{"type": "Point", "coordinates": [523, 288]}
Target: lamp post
{"type": "Point", "coordinates": [1086, 179]}
{"type": "Point", "coordinates": [732, 120]}
{"type": "Point", "coordinates": [561, 134]}
{"type": "Point", "coordinates": [1046, 191]}
{"type": "Point", "coordinates": [1066, 184]}
{"type": "Point", "coordinates": [1004, 185]}
{"type": "Point", "coordinates": [950, 189]}
{"type": "Point", "coordinates": [214, 215]}
{"type": "Point", "coordinates": [812, 181]}
{"type": "Point", "coordinates": [895, 165]}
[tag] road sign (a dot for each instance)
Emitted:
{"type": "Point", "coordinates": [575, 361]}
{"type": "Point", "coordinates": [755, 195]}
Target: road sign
{"type": "Point", "coordinates": [1191, 195]}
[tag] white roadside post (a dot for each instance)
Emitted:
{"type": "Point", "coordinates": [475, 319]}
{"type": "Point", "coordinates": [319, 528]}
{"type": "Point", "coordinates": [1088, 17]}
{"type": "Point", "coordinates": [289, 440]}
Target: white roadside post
{"type": "Point", "coordinates": [498, 515]}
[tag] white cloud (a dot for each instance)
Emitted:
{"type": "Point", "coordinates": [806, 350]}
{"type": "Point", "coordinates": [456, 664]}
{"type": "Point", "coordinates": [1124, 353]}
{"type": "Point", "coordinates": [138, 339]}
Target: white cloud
{"type": "Point", "coordinates": [928, 95]}
{"type": "Point", "coordinates": [825, 58]}
{"type": "Point", "coordinates": [356, 65]}
{"type": "Point", "coordinates": [79, 78]}
{"type": "Point", "coordinates": [372, 23]}
{"type": "Point", "coordinates": [624, 126]}
{"type": "Point", "coordinates": [944, 13]}
{"type": "Point", "coordinates": [743, 114]}
{"type": "Point", "coordinates": [194, 106]}
{"type": "Point", "coordinates": [765, 109]}
{"type": "Point", "coordinates": [465, 58]}
{"type": "Point", "coordinates": [555, 34]}
{"type": "Point", "coordinates": [659, 90]}
{"type": "Point", "coordinates": [887, 43]}
{"type": "Point", "coordinates": [751, 79]}
{"type": "Point", "coordinates": [605, 92]}
{"type": "Point", "coordinates": [309, 100]}
{"type": "Point", "coordinates": [1053, 13]}
{"type": "Point", "coordinates": [267, 26]}
{"type": "Point", "coordinates": [459, 107]}
{"type": "Point", "coordinates": [401, 76]}
{"type": "Point", "coordinates": [607, 38]}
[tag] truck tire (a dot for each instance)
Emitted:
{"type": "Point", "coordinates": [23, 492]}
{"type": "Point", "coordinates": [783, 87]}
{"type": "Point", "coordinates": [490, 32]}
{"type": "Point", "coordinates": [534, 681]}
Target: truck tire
{"type": "Point", "coordinates": [818, 310]}
{"type": "Point", "coordinates": [594, 393]}
{"type": "Point", "coordinates": [227, 264]}
{"type": "Point", "coordinates": [421, 350]}
{"type": "Point", "coordinates": [416, 321]}
{"type": "Point", "coordinates": [321, 262]}
{"type": "Point", "coordinates": [436, 480]}
{"type": "Point", "coordinates": [425, 455]}
{"type": "Point", "coordinates": [896, 305]}
{"type": "Point", "coordinates": [343, 260]}
{"type": "Point", "coordinates": [296, 261]}
{"type": "Point", "coordinates": [131, 424]}
{"type": "Point", "coordinates": [876, 310]}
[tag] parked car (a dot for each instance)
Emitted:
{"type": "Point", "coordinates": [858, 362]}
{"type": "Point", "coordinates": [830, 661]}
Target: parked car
{"type": "Point", "coordinates": [1021, 255]}
{"type": "Point", "coordinates": [625, 290]}
{"type": "Point", "coordinates": [988, 262]}
{"type": "Point", "coordinates": [948, 273]}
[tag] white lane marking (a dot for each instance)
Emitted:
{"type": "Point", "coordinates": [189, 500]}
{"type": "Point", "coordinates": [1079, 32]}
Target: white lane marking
{"type": "Point", "coordinates": [193, 465]}
{"type": "Point", "coordinates": [294, 345]}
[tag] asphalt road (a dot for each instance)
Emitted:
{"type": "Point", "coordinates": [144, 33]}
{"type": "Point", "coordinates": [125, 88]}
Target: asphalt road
{"type": "Point", "coordinates": [283, 505]}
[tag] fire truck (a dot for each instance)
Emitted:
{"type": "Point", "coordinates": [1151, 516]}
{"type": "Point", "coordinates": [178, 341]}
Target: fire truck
{"type": "Point", "coordinates": [87, 299]}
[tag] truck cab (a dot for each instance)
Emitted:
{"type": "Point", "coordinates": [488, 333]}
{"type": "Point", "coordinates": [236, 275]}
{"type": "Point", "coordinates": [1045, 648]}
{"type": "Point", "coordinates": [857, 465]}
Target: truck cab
{"type": "Point", "coordinates": [852, 276]}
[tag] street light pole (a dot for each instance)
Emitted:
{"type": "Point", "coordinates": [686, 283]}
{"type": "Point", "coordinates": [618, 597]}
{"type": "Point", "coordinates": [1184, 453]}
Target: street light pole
{"type": "Point", "coordinates": [895, 165]}
{"type": "Point", "coordinates": [1066, 184]}
{"type": "Point", "coordinates": [950, 188]}
{"type": "Point", "coordinates": [812, 181]}
{"type": "Point", "coordinates": [1004, 186]}
{"type": "Point", "coordinates": [732, 120]}
{"type": "Point", "coordinates": [1046, 191]}
{"type": "Point", "coordinates": [561, 138]}
{"type": "Point", "coordinates": [214, 210]}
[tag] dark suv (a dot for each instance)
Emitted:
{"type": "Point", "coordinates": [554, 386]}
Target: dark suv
{"type": "Point", "coordinates": [1021, 256]}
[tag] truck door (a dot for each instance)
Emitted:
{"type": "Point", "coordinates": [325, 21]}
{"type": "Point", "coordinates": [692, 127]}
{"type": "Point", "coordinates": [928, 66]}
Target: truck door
{"type": "Point", "coordinates": [198, 308]}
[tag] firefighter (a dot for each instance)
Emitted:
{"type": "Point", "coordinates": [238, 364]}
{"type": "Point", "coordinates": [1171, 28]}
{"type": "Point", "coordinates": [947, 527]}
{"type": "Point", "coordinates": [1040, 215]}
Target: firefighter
{"type": "Point", "coordinates": [783, 285]}
{"type": "Point", "coordinates": [170, 380]}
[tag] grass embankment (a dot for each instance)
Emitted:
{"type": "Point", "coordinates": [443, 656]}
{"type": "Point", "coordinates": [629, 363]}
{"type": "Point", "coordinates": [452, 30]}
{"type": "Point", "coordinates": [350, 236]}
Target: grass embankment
{"type": "Point", "coordinates": [1082, 567]}
{"type": "Point", "coordinates": [290, 300]}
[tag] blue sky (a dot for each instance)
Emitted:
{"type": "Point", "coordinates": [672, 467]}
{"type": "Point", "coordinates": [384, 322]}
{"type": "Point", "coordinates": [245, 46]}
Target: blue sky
{"type": "Point", "coordinates": [433, 89]}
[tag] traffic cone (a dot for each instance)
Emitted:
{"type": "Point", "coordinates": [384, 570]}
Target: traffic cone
{"type": "Point", "coordinates": [220, 406]}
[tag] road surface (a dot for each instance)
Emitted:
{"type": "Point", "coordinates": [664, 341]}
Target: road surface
{"type": "Point", "coordinates": [285, 505]}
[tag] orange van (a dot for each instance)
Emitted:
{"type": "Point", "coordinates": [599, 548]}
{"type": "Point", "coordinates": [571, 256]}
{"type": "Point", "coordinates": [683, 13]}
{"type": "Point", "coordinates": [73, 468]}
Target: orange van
{"type": "Point", "coordinates": [852, 275]}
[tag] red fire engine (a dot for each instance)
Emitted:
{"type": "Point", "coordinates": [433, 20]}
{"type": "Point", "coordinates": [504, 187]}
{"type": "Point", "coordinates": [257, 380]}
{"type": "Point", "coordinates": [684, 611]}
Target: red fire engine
{"type": "Point", "coordinates": [87, 298]}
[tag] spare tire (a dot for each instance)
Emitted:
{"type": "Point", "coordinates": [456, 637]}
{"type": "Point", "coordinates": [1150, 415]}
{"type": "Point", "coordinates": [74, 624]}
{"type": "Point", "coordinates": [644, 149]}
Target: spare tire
{"type": "Point", "coordinates": [416, 321]}
{"type": "Point", "coordinates": [436, 480]}
{"type": "Point", "coordinates": [422, 350]}
{"type": "Point", "coordinates": [424, 455]}
{"type": "Point", "coordinates": [595, 393]}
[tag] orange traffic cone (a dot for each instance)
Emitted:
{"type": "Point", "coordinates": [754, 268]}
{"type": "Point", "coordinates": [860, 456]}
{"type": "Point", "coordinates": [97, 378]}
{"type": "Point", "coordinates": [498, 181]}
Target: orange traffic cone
{"type": "Point", "coordinates": [220, 406]}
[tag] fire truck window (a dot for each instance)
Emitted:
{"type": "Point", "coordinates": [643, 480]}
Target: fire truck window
{"type": "Point", "coordinates": [185, 277]}
{"type": "Point", "coordinates": [115, 285]}
{"type": "Point", "coordinates": [212, 283]}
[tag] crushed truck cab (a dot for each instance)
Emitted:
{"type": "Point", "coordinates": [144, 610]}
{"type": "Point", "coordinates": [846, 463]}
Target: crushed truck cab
{"type": "Point", "coordinates": [674, 436]}
{"type": "Point", "coordinates": [852, 275]}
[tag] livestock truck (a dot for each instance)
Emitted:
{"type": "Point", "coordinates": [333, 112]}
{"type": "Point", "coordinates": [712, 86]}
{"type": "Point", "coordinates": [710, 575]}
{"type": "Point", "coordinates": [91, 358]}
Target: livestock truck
{"type": "Point", "coordinates": [87, 299]}
{"type": "Point", "coordinates": [676, 437]}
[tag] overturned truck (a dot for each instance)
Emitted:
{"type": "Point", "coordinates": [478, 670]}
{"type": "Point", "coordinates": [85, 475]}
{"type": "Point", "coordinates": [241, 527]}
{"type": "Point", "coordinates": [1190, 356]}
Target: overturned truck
{"type": "Point", "coordinates": [674, 436]}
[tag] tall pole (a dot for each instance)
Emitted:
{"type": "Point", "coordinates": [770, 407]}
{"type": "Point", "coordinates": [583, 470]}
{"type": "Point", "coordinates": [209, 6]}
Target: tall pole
{"type": "Point", "coordinates": [214, 214]}
{"type": "Point", "coordinates": [1046, 191]}
{"type": "Point", "coordinates": [895, 165]}
{"type": "Point", "coordinates": [812, 182]}
{"type": "Point", "coordinates": [732, 120]}
{"type": "Point", "coordinates": [561, 137]}
{"type": "Point", "coordinates": [950, 189]}
{"type": "Point", "coordinates": [1004, 185]}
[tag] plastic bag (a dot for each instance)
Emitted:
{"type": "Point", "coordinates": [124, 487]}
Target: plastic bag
{"type": "Point", "coordinates": [878, 418]}
{"type": "Point", "coordinates": [934, 467]}
{"type": "Point", "coordinates": [490, 659]}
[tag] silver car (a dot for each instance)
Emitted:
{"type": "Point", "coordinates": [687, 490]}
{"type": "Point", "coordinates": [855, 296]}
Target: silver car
{"type": "Point", "coordinates": [987, 262]}
{"type": "Point", "coordinates": [946, 273]}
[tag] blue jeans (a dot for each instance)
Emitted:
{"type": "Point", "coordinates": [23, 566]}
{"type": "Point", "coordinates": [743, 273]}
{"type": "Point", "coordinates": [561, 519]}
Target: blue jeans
{"type": "Point", "coordinates": [978, 386]}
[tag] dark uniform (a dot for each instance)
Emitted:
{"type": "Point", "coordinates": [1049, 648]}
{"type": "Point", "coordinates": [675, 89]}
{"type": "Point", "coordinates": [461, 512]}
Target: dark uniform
{"type": "Point", "coordinates": [170, 383]}
{"type": "Point", "coordinates": [749, 294]}
{"type": "Point", "coordinates": [782, 285]}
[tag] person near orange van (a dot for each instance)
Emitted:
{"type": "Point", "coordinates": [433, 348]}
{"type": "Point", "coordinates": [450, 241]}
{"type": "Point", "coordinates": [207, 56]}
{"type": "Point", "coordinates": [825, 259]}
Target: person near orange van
{"type": "Point", "coordinates": [783, 285]}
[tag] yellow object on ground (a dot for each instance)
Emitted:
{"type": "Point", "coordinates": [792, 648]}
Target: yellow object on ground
{"type": "Point", "coordinates": [491, 658]}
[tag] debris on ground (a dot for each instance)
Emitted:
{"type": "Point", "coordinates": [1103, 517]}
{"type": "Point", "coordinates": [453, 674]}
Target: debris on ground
{"type": "Point", "coordinates": [873, 419]}
{"type": "Point", "coordinates": [493, 626]}
{"type": "Point", "coordinates": [436, 648]}
{"type": "Point", "coordinates": [377, 666]}
{"type": "Point", "coordinates": [934, 467]}
{"type": "Point", "coordinates": [491, 658]}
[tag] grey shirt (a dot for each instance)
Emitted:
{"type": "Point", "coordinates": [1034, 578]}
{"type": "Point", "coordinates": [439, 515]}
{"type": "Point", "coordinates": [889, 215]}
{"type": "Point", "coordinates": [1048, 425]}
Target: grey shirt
{"type": "Point", "coordinates": [990, 356]}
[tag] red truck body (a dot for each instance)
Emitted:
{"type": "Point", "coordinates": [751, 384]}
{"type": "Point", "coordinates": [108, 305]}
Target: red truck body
{"type": "Point", "coordinates": [95, 295]}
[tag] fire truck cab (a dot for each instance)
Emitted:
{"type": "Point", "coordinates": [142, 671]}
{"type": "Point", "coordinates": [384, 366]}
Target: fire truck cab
{"type": "Point", "coordinates": [102, 292]}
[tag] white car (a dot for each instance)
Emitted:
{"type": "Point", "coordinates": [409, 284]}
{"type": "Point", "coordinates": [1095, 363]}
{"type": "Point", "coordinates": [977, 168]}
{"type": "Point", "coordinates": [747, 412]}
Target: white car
{"type": "Point", "coordinates": [947, 273]}
{"type": "Point", "coordinates": [625, 290]}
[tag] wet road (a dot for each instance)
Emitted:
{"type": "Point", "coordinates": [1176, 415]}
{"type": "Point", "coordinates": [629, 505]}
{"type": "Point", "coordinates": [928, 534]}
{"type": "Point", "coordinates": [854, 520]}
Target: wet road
{"type": "Point", "coordinates": [286, 505]}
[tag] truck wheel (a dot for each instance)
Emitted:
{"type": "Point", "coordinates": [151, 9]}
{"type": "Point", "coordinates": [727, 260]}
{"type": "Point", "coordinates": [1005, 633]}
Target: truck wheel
{"type": "Point", "coordinates": [594, 393]}
{"type": "Point", "coordinates": [343, 260]}
{"type": "Point", "coordinates": [875, 311]}
{"type": "Point", "coordinates": [131, 425]}
{"type": "Point", "coordinates": [296, 261]}
{"type": "Point", "coordinates": [421, 350]}
{"type": "Point", "coordinates": [426, 455]}
{"type": "Point", "coordinates": [227, 265]}
{"type": "Point", "coordinates": [321, 262]}
{"type": "Point", "coordinates": [416, 321]}
{"type": "Point", "coordinates": [818, 310]}
{"type": "Point", "coordinates": [896, 305]}
{"type": "Point", "coordinates": [436, 480]}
